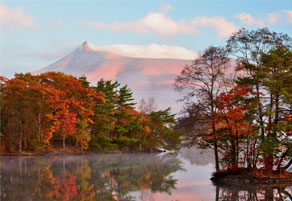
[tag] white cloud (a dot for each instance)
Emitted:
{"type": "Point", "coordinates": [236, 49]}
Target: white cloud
{"type": "Point", "coordinates": [248, 19]}
{"type": "Point", "coordinates": [160, 23]}
{"type": "Point", "coordinates": [157, 22]}
{"type": "Point", "coordinates": [15, 17]}
{"type": "Point", "coordinates": [164, 8]}
{"type": "Point", "coordinates": [223, 27]}
{"type": "Point", "coordinates": [289, 15]}
{"type": "Point", "coordinates": [273, 18]}
{"type": "Point", "coordinates": [150, 51]}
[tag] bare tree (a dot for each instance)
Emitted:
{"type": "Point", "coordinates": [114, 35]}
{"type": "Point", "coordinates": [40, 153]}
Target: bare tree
{"type": "Point", "coordinates": [203, 81]}
{"type": "Point", "coordinates": [147, 107]}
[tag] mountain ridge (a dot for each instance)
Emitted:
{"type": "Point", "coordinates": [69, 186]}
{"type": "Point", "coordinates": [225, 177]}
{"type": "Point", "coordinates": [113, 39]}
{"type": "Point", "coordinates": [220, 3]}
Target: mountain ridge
{"type": "Point", "coordinates": [147, 77]}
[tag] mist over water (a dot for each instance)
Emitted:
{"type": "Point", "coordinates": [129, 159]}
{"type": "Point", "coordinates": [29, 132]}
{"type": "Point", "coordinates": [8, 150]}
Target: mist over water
{"type": "Point", "coordinates": [180, 176]}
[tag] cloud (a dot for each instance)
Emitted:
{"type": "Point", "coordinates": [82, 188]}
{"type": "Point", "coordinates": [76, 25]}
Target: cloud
{"type": "Point", "coordinates": [248, 19]}
{"type": "Point", "coordinates": [152, 50]}
{"type": "Point", "coordinates": [166, 82]}
{"type": "Point", "coordinates": [164, 8]}
{"type": "Point", "coordinates": [273, 18]}
{"type": "Point", "coordinates": [143, 83]}
{"type": "Point", "coordinates": [162, 23]}
{"type": "Point", "coordinates": [223, 27]}
{"type": "Point", "coordinates": [157, 22]}
{"type": "Point", "coordinates": [289, 15]}
{"type": "Point", "coordinates": [15, 17]}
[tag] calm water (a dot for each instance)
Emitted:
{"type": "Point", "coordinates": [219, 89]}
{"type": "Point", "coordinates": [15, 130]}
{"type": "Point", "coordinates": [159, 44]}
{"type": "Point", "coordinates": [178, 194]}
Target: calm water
{"type": "Point", "coordinates": [124, 177]}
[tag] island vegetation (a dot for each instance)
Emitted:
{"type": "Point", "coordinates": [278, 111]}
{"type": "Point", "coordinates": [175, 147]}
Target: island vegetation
{"type": "Point", "coordinates": [243, 114]}
{"type": "Point", "coordinates": [54, 111]}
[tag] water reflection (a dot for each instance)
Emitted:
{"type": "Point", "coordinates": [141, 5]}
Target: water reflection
{"type": "Point", "coordinates": [124, 177]}
{"type": "Point", "coordinates": [99, 177]}
{"type": "Point", "coordinates": [254, 193]}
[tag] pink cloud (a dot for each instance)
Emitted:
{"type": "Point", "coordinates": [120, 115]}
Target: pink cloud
{"type": "Point", "coordinates": [248, 19]}
{"type": "Point", "coordinates": [152, 22]}
{"type": "Point", "coordinates": [223, 27]}
{"type": "Point", "coordinates": [166, 82]}
{"type": "Point", "coordinates": [158, 22]}
{"type": "Point", "coordinates": [15, 17]}
{"type": "Point", "coordinates": [152, 50]}
{"type": "Point", "coordinates": [289, 15]}
{"type": "Point", "coordinates": [140, 84]}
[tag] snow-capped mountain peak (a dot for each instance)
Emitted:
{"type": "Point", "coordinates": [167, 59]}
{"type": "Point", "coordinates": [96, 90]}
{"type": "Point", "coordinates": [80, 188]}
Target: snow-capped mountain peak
{"type": "Point", "coordinates": [145, 76]}
{"type": "Point", "coordinates": [85, 47]}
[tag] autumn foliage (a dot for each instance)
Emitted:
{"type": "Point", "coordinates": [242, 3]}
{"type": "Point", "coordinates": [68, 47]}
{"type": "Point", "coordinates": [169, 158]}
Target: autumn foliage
{"type": "Point", "coordinates": [246, 117]}
{"type": "Point", "coordinates": [39, 111]}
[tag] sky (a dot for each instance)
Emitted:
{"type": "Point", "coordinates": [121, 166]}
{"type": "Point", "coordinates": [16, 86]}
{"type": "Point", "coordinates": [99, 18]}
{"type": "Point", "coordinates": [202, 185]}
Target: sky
{"type": "Point", "coordinates": [36, 33]}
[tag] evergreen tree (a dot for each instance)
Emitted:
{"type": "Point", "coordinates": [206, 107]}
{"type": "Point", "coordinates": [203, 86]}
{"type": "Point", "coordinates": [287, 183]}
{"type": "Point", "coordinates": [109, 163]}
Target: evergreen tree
{"type": "Point", "coordinates": [104, 114]}
{"type": "Point", "coordinates": [124, 114]}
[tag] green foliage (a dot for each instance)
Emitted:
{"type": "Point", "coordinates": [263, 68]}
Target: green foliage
{"type": "Point", "coordinates": [122, 142]}
{"type": "Point", "coordinates": [247, 121]}
{"type": "Point", "coordinates": [102, 142]}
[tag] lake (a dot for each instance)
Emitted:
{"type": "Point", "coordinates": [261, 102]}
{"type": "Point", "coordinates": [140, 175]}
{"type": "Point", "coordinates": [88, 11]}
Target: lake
{"type": "Point", "coordinates": [183, 176]}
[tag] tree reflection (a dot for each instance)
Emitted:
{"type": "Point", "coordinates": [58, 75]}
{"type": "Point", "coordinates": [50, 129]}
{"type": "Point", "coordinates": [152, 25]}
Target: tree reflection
{"type": "Point", "coordinates": [254, 193]}
{"type": "Point", "coordinates": [97, 177]}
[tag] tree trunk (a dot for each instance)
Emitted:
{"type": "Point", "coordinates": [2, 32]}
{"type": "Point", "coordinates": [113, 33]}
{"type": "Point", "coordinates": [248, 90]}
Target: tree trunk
{"type": "Point", "coordinates": [20, 146]}
{"type": "Point", "coordinates": [25, 142]}
{"type": "Point", "coordinates": [64, 145]}
{"type": "Point", "coordinates": [216, 155]}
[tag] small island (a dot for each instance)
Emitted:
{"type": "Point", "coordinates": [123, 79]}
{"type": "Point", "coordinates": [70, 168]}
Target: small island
{"type": "Point", "coordinates": [243, 112]}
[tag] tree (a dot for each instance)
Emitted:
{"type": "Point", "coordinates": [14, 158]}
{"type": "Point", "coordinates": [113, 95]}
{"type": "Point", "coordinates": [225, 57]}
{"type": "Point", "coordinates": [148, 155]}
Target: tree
{"type": "Point", "coordinates": [248, 46]}
{"type": "Point", "coordinates": [162, 127]}
{"type": "Point", "coordinates": [78, 97]}
{"type": "Point", "coordinates": [234, 126]}
{"type": "Point", "coordinates": [257, 57]}
{"type": "Point", "coordinates": [67, 125]}
{"type": "Point", "coordinates": [276, 71]}
{"type": "Point", "coordinates": [203, 80]}
{"type": "Point", "coordinates": [147, 107]}
{"type": "Point", "coordinates": [105, 113]}
{"type": "Point", "coordinates": [27, 113]}
{"type": "Point", "coordinates": [123, 115]}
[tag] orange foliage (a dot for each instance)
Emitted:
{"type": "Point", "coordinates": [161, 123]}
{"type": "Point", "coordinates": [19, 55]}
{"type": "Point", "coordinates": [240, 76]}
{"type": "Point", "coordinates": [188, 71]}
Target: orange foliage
{"type": "Point", "coordinates": [231, 114]}
{"type": "Point", "coordinates": [68, 187]}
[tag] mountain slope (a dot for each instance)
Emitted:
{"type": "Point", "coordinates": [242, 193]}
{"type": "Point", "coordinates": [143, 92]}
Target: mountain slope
{"type": "Point", "coordinates": [146, 77]}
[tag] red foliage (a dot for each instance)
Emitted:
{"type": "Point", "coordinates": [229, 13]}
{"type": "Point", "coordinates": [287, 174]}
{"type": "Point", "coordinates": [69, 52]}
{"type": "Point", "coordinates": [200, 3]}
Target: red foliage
{"type": "Point", "coordinates": [231, 113]}
{"type": "Point", "coordinates": [68, 124]}
{"type": "Point", "coordinates": [68, 187]}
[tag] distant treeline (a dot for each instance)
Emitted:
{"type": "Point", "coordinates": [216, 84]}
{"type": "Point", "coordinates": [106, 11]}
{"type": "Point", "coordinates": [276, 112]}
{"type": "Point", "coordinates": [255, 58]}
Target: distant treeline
{"type": "Point", "coordinates": [38, 111]}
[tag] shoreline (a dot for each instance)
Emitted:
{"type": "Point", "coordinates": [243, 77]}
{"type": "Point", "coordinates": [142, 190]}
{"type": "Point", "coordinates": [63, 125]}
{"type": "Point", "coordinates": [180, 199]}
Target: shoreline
{"type": "Point", "coordinates": [242, 177]}
{"type": "Point", "coordinates": [240, 180]}
{"type": "Point", "coordinates": [68, 153]}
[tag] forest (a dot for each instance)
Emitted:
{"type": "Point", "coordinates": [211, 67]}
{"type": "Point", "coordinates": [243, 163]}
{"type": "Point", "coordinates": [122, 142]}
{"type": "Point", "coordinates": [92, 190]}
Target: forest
{"type": "Point", "coordinates": [242, 113]}
{"type": "Point", "coordinates": [55, 110]}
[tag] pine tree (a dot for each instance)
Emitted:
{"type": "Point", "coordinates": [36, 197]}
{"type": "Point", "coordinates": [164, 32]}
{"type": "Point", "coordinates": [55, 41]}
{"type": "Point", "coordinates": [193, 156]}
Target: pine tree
{"type": "Point", "coordinates": [124, 116]}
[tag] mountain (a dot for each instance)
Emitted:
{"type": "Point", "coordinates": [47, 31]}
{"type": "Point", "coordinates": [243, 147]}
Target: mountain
{"type": "Point", "coordinates": [147, 77]}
